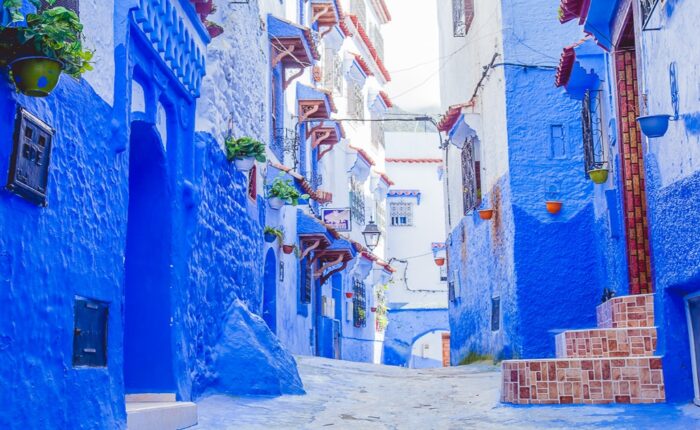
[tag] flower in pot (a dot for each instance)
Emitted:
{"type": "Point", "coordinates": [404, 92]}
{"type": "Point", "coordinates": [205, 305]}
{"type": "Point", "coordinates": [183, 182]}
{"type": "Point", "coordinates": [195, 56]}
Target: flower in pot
{"type": "Point", "coordinates": [486, 214]}
{"type": "Point", "coordinates": [50, 43]}
{"type": "Point", "coordinates": [272, 233]}
{"type": "Point", "coordinates": [244, 152]}
{"type": "Point", "coordinates": [283, 192]}
{"type": "Point", "coordinates": [348, 295]}
{"type": "Point", "coordinates": [599, 173]}
{"type": "Point", "coordinates": [554, 206]}
{"type": "Point", "coordinates": [288, 249]}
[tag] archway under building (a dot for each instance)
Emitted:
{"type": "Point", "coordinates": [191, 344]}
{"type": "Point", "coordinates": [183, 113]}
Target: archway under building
{"type": "Point", "coordinates": [427, 350]}
{"type": "Point", "coordinates": [406, 326]}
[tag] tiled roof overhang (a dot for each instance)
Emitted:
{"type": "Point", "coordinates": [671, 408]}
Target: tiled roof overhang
{"type": "Point", "coordinates": [451, 116]}
{"type": "Point", "coordinates": [314, 103]}
{"type": "Point", "coordinates": [294, 45]}
{"type": "Point", "coordinates": [325, 12]}
{"type": "Point", "coordinates": [382, 10]}
{"type": "Point", "coordinates": [566, 65]}
{"type": "Point", "coordinates": [368, 44]}
{"type": "Point", "coordinates": [414, 160]}
{"type": "Point", "coordinates": [572, 9]}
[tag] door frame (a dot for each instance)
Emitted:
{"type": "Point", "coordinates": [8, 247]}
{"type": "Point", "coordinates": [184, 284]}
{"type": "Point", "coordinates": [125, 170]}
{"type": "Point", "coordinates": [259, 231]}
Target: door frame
{"type": "Point", "coordinates": [691, 338]}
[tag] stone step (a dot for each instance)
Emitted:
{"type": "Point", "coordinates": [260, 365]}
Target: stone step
{"type": "Point", "coordinates": [626, 311]}
{"type": "Point", "coordinates": [606, 343]}
{"type": "Point", "coordinates": [583, 381]}
{"type": "Point", "coordinates": [159, 415]}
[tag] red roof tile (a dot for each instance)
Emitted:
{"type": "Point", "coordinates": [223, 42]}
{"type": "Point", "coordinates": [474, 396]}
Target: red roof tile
{"type": "Point", "coordinates": [572, 9]}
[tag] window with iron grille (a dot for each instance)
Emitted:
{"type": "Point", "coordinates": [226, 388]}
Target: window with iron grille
{"type": "Point", "coordinates": [359, 303]}
{"type": "Point", "coordinates": [377, 40]}
{"type": "Point", "coordinates": [359, 9]}
{"type": "Point", "coordinates": [377, 134]}
{"type": "Point", "coordinates": [356, 101]}
{"type": "Point", "coordinates": [333, 71]}
{"type": "Point", "coordinates": [462, 16]}
{"type": "Point", "coordinates": [401, 214]}
{"type": "Point", "coordinates": [471, 177]}
{"type": "Point", "coordinates": [307, 280]}
{"type": "Point", "coordinates": [380, 213]}
{"type": "Point", "coordinates": [253, 183]}
{"type": "Point", "coordinates": [357, 201]}
{"type": "Point", "coordinates": [593, 148]}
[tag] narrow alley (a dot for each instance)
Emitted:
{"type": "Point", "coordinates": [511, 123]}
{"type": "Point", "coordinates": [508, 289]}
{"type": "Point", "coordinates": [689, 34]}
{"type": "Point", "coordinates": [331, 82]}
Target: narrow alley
{"type": "Point", "coordinates": [344, 395]}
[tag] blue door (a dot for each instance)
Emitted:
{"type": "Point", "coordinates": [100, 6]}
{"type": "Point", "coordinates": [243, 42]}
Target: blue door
{"type": "Point", "coordinates": [270, 291]}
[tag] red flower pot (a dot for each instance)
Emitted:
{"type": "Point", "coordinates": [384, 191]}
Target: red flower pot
{"type": "Point", "coordinates": [486, 214]}
{"type": "Point", "coordinates": [348, 295]}
{"type": "Point", "coordinates": [440, 261]}
{"type": "Point", "coordinates": [553, 207]}
{"type": "Point", "coordinates": [287, 249]}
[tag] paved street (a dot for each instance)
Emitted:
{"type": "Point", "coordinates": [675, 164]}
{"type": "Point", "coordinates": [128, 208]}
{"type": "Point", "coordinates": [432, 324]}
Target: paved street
{"type": "Point", "coordinates": [347, 395]}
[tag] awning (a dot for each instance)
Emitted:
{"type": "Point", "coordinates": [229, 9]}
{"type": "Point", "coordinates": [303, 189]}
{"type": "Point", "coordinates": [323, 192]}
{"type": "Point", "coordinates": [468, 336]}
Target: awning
{"type": "Point", "coordinates": [360, 69]}
{"type": "Point", "coordinates": [325, 13]}
{"type": "Point", "coordinates": [325, 135]}
{"type": "Point", "coordinates": [462, 131]}
{"type": "Point", "coordinates": [404, 193]}
{"type": "Point", "coordinates": [576, 71]}
{"type": "Point", "coordinates": [314, 103]}
{"type": "Point", "coordinates": [292, 43]}
{"type": "Point", "coordinates": [313, 235]}
{"type": "Point", "coordinates": [451, 116]}
{"type": "Point", "coordinates": [362, 166]}
{"type": "Point", "coordinates": [599, 21]}
{"type": "Point", "coordinates": [572, 9]}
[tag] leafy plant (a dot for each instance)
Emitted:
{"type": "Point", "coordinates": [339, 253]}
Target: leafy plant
{"type": "Point", "coordinates": [285, 191]}
{"type": "Point", "coordinates": [245, 147]}
{"type": "Point", "coordinates": [54, 32]}
{"type": "Point", "coordinates": [278, 233]}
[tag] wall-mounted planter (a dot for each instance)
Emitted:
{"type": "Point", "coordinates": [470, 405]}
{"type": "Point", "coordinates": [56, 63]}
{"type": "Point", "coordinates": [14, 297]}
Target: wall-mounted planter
{"type": "Point", "coordinates": [287, 249]}
{"type": "Point", "coordinates": [36, 76]}
{"type": "Point", "coordinates": [275, 203]}
{"type": "Point", "coordinates": [349, 295]}
{"type": "Point", "coordinates": [244, 164]}
{"type": "Point", "coordinates": [554, 206]}
{"type": "Point", "coordinates": [486, 214]}
{"type": "Point", "coordinates": [440, 261]}
{"type": "Point", "coordinates": [598, 176]}
{"type": "Point", "coordinates": [270, 237]}
{"type": "Point", "coordinates": [654, 125]}
{"type": "Point", "coordinates": [373, 309]}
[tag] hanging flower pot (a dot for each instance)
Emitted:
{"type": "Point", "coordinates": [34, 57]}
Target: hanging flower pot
{"type": "Point", "coordinates": [275, 203]}
{"type": "Point", "coordinates": [36, 76]}
{"type": "Point", "coordinates": [244, 164]}
{"type": "Point", "coordinates": [287, 249]}
{"type": "Point", "coordinates": [440, 261]}
{"type": "Point", "coordinates": [553, 206]}
{"type": "Point", "coordinates": [654, 125]}
{"type": "Point", "coordinates": [598, 176]}
{"type": "Point", "coordinates": [348, 295]}
{"type": "Point", "coordinates": [270, 237]}
{"type": "Point", "coordinates": [486, 214]}
{"type": "Point", "coordinates": [373, 309]}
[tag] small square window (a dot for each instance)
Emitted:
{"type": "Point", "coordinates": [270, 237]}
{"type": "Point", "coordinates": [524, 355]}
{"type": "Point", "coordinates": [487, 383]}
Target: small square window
{"type": "Point", "coordinates": [495, 313]}
{"type": "Point", "coordinates": [401, 214]}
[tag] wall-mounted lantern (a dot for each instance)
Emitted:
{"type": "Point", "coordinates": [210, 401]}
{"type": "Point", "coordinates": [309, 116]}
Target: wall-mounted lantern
{"type": "Point", "coordinates": [371, 234]}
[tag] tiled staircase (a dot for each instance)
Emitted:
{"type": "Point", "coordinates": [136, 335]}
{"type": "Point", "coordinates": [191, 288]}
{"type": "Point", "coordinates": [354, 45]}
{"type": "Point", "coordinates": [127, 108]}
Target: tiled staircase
{"type": "Point", "coordinates": [613, 363]}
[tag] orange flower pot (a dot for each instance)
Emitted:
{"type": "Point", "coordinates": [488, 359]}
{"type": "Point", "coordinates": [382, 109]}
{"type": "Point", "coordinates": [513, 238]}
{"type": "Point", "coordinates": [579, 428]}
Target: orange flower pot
{"type": "Point", "coordinates": [553, 207]}
{"type": "Point", "coordinates": [349, 295]}
{"type": "Point", "coordinates": [440, 261]}
{"type": "Point", "coordinates": [287, 249]}
{"type": "Point", "coordinates": [486, 214]}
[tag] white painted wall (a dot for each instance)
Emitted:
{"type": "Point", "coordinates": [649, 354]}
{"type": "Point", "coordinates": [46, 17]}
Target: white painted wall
{"type": "Point", "coordinates": [427, 351]}
{"type": "Point", "coordinates": [98, 35]}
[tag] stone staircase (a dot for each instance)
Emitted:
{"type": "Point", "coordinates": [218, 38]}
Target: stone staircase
{"type": "Point", "coordinates": [613, 363]}
{"type": "Point", "coordinates": [159, 412]}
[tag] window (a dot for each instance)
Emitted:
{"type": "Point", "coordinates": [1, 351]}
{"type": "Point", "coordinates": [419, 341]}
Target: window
{"type": "Point", "coordinates": [377, 134]}
{"type": "Point", "coordinates": [495, 313]}
{"type": "Point", "coordinates": [333, 71]}
{"type": "Point", "coordinates": [359, 303]}
{"type": "Point", "coordinates": [471, 177]}
{"type": "Point", "coordinates": [380, 214]}
{"type": "Point", "coordinates": [253, 183]}
{"type": "Point", "coordinates": [557, 142]}
{"type": "Point", "coordinates": [593, 135]}
{"type": "Point", "coordinates": [462, 16]}
{"type": "Point", "coordinates": [307, 279]}
{"type": "Point", "coordinates": [357, 201]}
{"type": "Point", "coordinates": [443, 273]}
{"type": "Point", "coordinates": [401, 214]}
{"type": "Point", "coordinates": [375, 36]}
{"type": "Point", "coordinates": [356, 101]}
{"type": "Point", "coordinates": [359, 9]}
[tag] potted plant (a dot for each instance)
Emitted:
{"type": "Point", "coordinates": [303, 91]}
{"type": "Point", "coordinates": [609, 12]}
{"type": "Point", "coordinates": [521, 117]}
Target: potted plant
{"type": "Point", "coordinates": [244, 152]}
{"type": "Point", "coordinates": [654, 125]}
{"type": "Point", "coordinates": [272, 233]}
{"type": "Point", "coordinates": [348, 295]}
{"type": "Point", "coordinates": [49, 43]}
{"type": "Point", "coordinates": [283, 192]}
{"type": "Point", "coordinates": [599, 173]}
{"type": "Point", "coordinates": [288, 249]}
{"type": "Point", "coordinates": [486, 214]}
{"type": "Point", "coordinates": [553, 206]}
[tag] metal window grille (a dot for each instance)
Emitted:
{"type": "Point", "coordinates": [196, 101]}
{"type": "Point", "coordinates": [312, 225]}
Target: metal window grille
{"type": "Point", "coordinates": [333, 71]}
{"type": "Point", "coordinates": [471, 178]}
{"type": "Point", "coordinates": [307, 280]}
{"type": "Point", "coordinates": [377, 40]}
{"type": "Point", "coordinates": [401, 214]}
{"type": "Point", "coordinates": [592, 132]}
{"type": "Point", "coordinates": [377, 134]}
{"type": "Point", "coordinates": [286, 141]}
{"type": "Point", "coordinates": [356, 101]}
{"type": "Point", "coordinates": [357, 201]}
{"type": "Point", "coordinates": [359, 9]}
{"type": "Point", "coordinates": [648, 7]}
{"type": "Point", "coordinates": [380, 213]}
{"type": "Point", "coordinates": [462, 16]}
{"type": "Point", "coordinates": [359, 303]}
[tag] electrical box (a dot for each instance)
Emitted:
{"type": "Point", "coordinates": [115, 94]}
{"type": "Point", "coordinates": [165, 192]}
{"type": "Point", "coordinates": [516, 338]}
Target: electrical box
{"type": "Point", "coordinates": [90, 333]}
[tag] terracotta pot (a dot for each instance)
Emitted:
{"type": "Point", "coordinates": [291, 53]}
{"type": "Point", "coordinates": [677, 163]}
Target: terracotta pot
{"type": "Point", "coordinates": [598, 176]}
{"type": "Point", "coordinates": [440, 261]}
{"type": "Point", "coordinates": [287, 249]}
{"type": "Point", "coordinates": [553, 206]}
{"type": "Point", "coordinates": [348, 295]}
{"type": "Point", "coordinates": [486, 214]}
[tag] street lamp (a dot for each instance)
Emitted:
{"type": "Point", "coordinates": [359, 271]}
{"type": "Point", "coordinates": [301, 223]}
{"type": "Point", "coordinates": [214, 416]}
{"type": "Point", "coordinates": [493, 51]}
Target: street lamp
{"type": "Point", "coordinates": [371, 234]}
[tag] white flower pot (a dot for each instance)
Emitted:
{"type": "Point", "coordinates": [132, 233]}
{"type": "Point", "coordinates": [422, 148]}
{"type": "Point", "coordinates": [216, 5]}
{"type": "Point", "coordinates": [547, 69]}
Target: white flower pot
{"type": "Point", "coordinates": [244, 164]}
{"type": "Point", "coordinates": [275, 203]}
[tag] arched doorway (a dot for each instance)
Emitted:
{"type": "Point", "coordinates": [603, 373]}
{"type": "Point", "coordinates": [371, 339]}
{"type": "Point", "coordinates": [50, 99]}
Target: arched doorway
{"type": "Point", "coordinates": [148, 354]}
{"type": "Point", "coordinates": [270, 291]}
{"type": "Point", "coordinates": [427, 350]}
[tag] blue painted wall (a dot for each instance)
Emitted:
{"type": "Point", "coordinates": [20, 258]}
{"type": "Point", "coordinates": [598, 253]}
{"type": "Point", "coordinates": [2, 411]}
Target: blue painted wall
{"type": "Point", "coordinates": [405, 327]}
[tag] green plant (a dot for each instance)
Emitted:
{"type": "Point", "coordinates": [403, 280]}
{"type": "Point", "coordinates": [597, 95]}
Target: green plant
{"type": "Point", "coordinates": [244, 147]}
{"type": "Point", "coordinates": [285, 191]}
{"type": "Point", "coordinates": [54, 32]}
{"type": "Point", "coordinates": [278, 233]}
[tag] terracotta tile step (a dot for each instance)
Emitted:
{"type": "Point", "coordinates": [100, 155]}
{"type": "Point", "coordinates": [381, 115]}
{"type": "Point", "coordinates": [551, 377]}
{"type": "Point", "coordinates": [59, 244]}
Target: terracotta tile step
{"type": "Point", "coordinates": [583, 381]}
{"type": "Point", "coordinates": [626, 311]}
{"type": "Point", "coordinates": [607, 343]}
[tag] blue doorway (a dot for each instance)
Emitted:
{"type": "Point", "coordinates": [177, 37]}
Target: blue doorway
{"type": "Point", "coordinates": [148, 354]}
{"type": "Point", "coordinates": [270, 291]}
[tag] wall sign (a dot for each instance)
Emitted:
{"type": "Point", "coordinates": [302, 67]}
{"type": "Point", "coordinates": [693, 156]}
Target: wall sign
{"type": "Point", "coordinates": [31, 155]}
{"type": "Point", "coordinates": [339, 219]}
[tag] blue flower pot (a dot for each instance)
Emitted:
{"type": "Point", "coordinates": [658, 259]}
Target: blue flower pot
{"type": "Point", "coordinates": [269, 237]}
{"type": "Point", "coordinates": [654, 125]}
